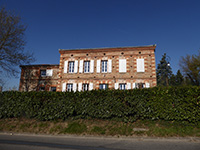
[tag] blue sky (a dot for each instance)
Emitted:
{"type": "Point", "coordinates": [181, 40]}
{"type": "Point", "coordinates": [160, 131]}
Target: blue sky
{"type": "Point", "coordinates": [174, 25]}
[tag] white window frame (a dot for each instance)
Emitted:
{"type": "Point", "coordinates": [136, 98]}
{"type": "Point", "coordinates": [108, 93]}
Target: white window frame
{"type": "Point", "coordinates": [103, 86]}
{"type": "Point", "coordinates": [69, 87]}
{"type": "Point", "coordinates": [122, 65]}
{"type": "Point", "coordinates": [65, 66]}
{"type": "Point", "coordinates": [79, 87]}
{"type": "Point", "coordinates": [91, 66]}
{"type": "Point", "coordinates": [86, 66]}
{"type": "Point", "coordinates": [64, 87]}
{"type": "Point", "coordinates": [49, 72]}
{"type": "Point", "coordinates": [81, 66]}
{"type": "Point", "coordinates": [140, 65]}
{"type": "Point", "coordinates": [122, 86]}
{"type": "Point", "coordinates": [71, 67]}
{"type": "Point", "coordinates": [109, 65]}
{"type": "Point", "coordinates": [104, 66]}
{"type": "Point", "coordinates": [116, 86]}
{"type": "Point", "coordinates": [85, 87]}
{"type": "Point", "coordinates": [90, 86]}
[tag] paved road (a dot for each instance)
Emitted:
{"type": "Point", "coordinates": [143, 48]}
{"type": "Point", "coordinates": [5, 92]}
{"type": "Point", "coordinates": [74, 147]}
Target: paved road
{"type": "Point", "coordinates": [40, 142]}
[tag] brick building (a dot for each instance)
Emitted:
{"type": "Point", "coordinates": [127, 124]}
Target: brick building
{"type": "Point", "coordinates": [39, 77]}
{"type": "Point", "coordinates": [97, 68]}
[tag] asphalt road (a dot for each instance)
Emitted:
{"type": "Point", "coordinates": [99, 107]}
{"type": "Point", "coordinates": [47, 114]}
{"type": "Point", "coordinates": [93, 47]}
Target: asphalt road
{"type": "Point", "coordinates": [44, 142]}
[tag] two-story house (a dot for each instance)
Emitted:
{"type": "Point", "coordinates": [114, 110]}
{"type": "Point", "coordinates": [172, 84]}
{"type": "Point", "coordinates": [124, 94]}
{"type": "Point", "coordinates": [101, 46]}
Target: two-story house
{"type": "Point", "coordinates": [99, 68]}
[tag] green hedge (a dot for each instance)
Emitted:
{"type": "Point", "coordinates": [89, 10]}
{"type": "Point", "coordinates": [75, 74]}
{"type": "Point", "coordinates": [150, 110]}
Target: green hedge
{"type": "Point", "coordinates": [173, 103]}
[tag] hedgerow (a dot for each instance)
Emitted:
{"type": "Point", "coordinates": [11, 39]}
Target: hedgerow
{"type": "Point", "coordinates": [171, 104]}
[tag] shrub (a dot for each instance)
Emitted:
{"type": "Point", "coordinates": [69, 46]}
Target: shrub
{"type": "Point", "coordinates": [171, 104]}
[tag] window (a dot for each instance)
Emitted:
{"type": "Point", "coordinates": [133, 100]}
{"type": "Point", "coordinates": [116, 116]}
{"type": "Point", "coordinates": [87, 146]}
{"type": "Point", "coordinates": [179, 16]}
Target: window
{"type": "Point", "coordinates": [42, 73]}
{"type": "Point", "coordinates": [87, 66]}
{"type": "Point", "coordinates": [42, 88]}
{"type": "Point", "coordinates": [103, 86]}
{"type": "Point", "coordinates": [139, 85]}
{"type": "Point", "coordinates": [49, 72]}
{"type": "Point", "coordinates": [71, 66]}
{"type": "Point", "coordinates": [104, 65]}
{"type": "Point", "coordinates": [69, 87]}
{"type": "Point", "coordinates": [122, 86]}
{"type": "Point", "coordinates": [53, 89]}
{"type": "Point", "coordinates": [140, 65]}
{"type": "Point", "coordinates": [122, 65]}
{"type": "Point", "coordinates": [85, 87]}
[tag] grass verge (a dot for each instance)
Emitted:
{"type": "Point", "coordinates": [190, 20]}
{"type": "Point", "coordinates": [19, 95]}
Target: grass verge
{"type": "Point", "coordinates": [100, 127]}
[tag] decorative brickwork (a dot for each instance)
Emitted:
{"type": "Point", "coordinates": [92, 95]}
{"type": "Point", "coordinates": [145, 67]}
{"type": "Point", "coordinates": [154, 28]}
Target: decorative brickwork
{"type": "Point", "coordinates": [132, 67]}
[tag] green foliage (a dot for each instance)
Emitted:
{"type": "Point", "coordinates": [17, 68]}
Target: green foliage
{"type": "Point", "coordinates": [163, 71]}
{"type": "Point", "coordinates": [98, 130]}
{"type": "Point", "coordinates": [170, 104]}
{"type": "Point", "coordinates": [75, 128]}
{"type": "Point", "coordinates": [176, 80]}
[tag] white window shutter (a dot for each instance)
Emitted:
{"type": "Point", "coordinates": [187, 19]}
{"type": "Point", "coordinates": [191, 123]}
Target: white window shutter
{"type": "Point", "coordinates": [140, 65]}
{"type": "Point", "coordinates": [109, 65]}
{"type": "Point", "coordinates": [98, 66]}
{"type": "Point", "coordinates": [49, 72]}
{"type": "Point", "coordinates": [74, 87]}
{"type": "Point", "coordinates": [122, 65]}
{"type": "Point", "coordinates": [76, 66]}
{"type": "Point", "coordinates": [65, 66]}
{"type": "Point", "coordinates": [81, 66]}
{"type": "Point", "coordinates": [147, 85]}
{"type": "Point", "coordinates": [128, 86]}
{"type": "Point", "coordinates": [64, 87]}
{"type": "Point", "coordinates": [90, 86]}
{"type": "Point", "coordinates": [91, 66]}
{"type": "Point", "coordinates": [116, 86]}
{"type": "Point", "coordinates": [79, 87]}
{"type": "Point", "coordinates": [133, 85]}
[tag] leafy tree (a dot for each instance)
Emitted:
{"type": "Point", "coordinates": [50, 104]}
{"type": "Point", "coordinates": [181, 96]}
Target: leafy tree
{"type": "Point", "coordinates": [12, 43]}
{"type": "Point", "coordinates": [190, 65]}
{"type": "Point", "coordinates": [176, 80]}
{"type": "Point", "coordinates": [163, 71]}
{"type": "Point", "coordinates": [172, 80]}
{"type": "Point", "coordinates": [179, 78]}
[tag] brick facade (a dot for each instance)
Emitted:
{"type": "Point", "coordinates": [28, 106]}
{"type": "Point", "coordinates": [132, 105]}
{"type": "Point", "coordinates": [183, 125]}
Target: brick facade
{"type": "Point", "coordinates": [32, 80]}
{"type": "Point", "coordinates": [87, 69]}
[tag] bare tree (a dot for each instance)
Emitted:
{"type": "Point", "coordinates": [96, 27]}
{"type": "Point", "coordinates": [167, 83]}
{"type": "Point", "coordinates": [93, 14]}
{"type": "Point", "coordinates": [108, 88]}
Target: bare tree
{"type": "Point", "coordinates": [190, 65]}
{"type": "Point", "coordinates": [12, 43]}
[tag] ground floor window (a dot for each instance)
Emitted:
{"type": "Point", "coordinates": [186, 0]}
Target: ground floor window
{"type": "Point", "coordinates": [122, 86]}
{"type": "Point", "coordinates": [103, 86]}
{"type": "Point", "coordinates": [69, 87]}
{"type": "Point", "coordinates": [53, 89]}
{"type": "Point", "coordinates": [85, 87]}
{"type": "Point", "coordinates": [42, 88]}
{"type": "Point", "coordinates": [139, 85]}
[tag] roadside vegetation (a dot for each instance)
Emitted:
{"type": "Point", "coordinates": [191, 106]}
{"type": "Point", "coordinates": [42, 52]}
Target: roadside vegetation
{"type": "Point", "coordinates": [159, 111]}
{"type": "Point", "coordinates": [100, 128]}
